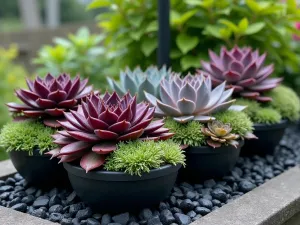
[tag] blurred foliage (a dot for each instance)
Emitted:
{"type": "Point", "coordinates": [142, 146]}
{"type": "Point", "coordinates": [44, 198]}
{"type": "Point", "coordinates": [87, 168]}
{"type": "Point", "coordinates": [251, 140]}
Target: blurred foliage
{"type": "Point", "coordinates": [198, 25]}
{"type": "Point", "coordinates": [12, 77]}
{"type": "Point", "coordinates": [80, 53]}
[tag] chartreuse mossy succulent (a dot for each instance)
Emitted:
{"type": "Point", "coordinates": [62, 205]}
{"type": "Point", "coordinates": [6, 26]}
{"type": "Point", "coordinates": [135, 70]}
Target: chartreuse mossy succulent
{"type": "Point", "coordinates": [260, 113]}
{"type": "Point", "coordinates": [240, 123]}
{"type": "Point", "coordinates": [26, 136]}
{"type": "Point", "coordinates": [187, 133]}
{"type": "Point", "coordinates": [139, 157]}
{"type": "Point", "coordinates": [286, 102]}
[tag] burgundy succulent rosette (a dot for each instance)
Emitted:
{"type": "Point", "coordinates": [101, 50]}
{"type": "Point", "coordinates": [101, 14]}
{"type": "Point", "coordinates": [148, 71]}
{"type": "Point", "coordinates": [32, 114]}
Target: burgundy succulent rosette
{"type": "Point", "coordinates": [243, 70]}
{"type": "Point", "coordinates": [49, 98]}
{"type": "Point", "coordinates": [100, 123]}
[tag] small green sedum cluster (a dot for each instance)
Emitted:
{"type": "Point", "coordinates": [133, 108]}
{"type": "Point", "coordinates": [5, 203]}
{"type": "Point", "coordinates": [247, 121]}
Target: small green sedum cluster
{"type": "Point", "coordinates": [26, 136]}
{"type": "Point", "coordinates": [139, 157]}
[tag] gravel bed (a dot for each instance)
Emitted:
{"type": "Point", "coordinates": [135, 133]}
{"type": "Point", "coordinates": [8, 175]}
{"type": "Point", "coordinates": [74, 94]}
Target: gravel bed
{"type": "Point", "coordinates": [187, 202]}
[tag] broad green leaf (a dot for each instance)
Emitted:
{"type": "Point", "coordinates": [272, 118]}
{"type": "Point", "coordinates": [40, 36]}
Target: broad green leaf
{"type": "Point", "coordinates": [148, 46]}
{"type": "Point", "coordinates": [186, 43]}
{"type": "Point", "coordinates": [254, 28]}
{"type": "Point", "coordinates": [243, 25]}
{"type": "Point", "coordinates": [214, 31]}
{"type": "Point", "coordinates": [174, 15]}
{"type": "Point", "coordinates": [99, 4]}
{"type": "Point", "coordinates": [136, 20]}
{"type": "Point", "coordinates": [152, 26]}
{"type": "Point", "coordinates": [229, 24]}
{"type": "Point", "coordinates": [193, 2]}
{"type": "Point", "coordinates": [185, 17]}
{"type": "Point", "coordinates": [225, 33]}
{"type": "Point", "coordinates": [175, 53]}
{"type": "Point", "coordinates": [190, 61]}
{"type": "Point", "coordinates": [253, 5]}
{"type": "Point", "coordinates": [137, 34]}
{"type": "Point", "coordinates": [62, 41]}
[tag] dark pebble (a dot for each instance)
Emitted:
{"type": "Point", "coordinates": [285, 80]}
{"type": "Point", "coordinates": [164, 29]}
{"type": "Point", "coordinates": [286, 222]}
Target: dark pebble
{"type": "Point", "coordinates": [219, 194]}
{"type": "Point", "coordinates": [182, 219]}
{"type": "Point", "coordinates": [38, 193]}
{"type": "Point", "coordinates": [28, 199]}
{"type": "Point", "coordinates": [31, 191]}
{"type": "Point", "coordinates": [191, 195]}
{"type": "Point", "coordinates": [39, 213]}
{"type": "Point", "coordinates": [121, 218]}
{"type": "Point", "coordinates": [75, 221]}
{"type": "Point", "coordinates": [18, 177]}
{"type": "Point", "coordinates": [6, 188]}
{"type": "Point", "coordinates": [41, 201]}
{"type": "Point", "coordinates": [4, 195]}
{"type": "Point", "coordinates": [205, 203]}
{"type": "Point", "coordinates": [55, 217]}
{"type": "Point", "coordinates": [133, 223]}
{"type": "Point", "coordinates": [176, 210]}
{"type": "Point", "coordinates": [162, 206]}
{"type": "Point", "coordinates": [246, 186]}
{"type": "Point", "coordinates": [10, 181]}
{"type": "Point", "coordinates": [66, 221]}
{"type": "Point", "coordinates": [71, 198]}
{"type": "Point", "coordinates": [186, 205]}
{"type": "Point", "coordinates": [166, 217]}
{"type": "Point", "coordinates": [146, 214]}
{"type": "Point", "coordinates": [92, 221]}
{"type": "Point", "coordinates": [202, 210]}
{"type": "Point", "coordinates": [54, 200]}
{"type": "Point", "coordinates": [106, 219]}
{"type": "Point", "coordinates": [19, 188]}
{"type": "Point", "coordinates": [14, 202]}
{"type": "Point", "coordinates": [216, 202]}
{"type": "Point", "coordinates": [21, 207]}
{"type": "Point", "coordinates": [97, 216]}
{"type": "Point", "coordinates": [154, 221]}
{"type": "Point", "coordinates": [56, 209]}
{"type": "Point", "coordinates": [209, 183]}
{"type": "Point", "coordinates": [191, 214]}
{"type": "Point", "coordinates": [84, 213]}
{"type": "Point", "coordinates": [74, 208]}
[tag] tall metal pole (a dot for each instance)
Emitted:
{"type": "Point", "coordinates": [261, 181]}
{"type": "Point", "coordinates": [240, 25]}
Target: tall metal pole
{"type": "Point", "coordinates": [164, 34]}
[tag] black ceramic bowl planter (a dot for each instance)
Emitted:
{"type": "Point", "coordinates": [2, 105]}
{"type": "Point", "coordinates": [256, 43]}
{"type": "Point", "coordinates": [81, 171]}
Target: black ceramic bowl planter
{"type": "Point", "coordinates": [205, 162]}
{"type": "Point", "coordinates": [107, 191]}
{"type": "Point", "coordinates": [269, 136]}
{"type": "Point", "coordinates": [39, 170]}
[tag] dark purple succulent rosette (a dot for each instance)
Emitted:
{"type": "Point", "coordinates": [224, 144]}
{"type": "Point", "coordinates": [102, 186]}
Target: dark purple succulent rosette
{"type": "Point", "coordinates": [243, 69]}
{"type": "Point", "coordinates": [100, 123]}
{"type": "Point", "coordinates": [49, 98]}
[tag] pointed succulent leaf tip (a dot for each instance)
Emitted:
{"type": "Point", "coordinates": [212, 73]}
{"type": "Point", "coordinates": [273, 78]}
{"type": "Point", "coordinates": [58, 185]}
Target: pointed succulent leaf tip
{"type": "Point", "coordinates": [85, 134]}
{"type": "Point", "coordinates": [48, 98]}
{"type": "Point", "coordinates": [243, 69]}
{"type": "Point", "coordinates": [195, 98]}
{"type": "Point", "coordinates": [138, 81]}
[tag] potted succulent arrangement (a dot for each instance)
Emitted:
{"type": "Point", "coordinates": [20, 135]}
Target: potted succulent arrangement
{"type": "Point", "coordinates": [108, 149]}
{"type": "Point", "coordinates": [270, 105]}
{"type": "Point", "coordinates": [204, 120]}
{"type": "Point", "coordinates": [138, 81]}
{"type": "Point", "coordinates": [27, 138]}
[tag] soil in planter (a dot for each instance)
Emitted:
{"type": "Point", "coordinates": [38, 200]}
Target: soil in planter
{"type": "Point", "coordinates": [187, 202]}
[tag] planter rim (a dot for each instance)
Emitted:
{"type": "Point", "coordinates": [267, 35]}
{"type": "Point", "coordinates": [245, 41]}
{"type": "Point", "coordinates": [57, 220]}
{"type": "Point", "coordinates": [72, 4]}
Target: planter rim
{"type": "Point", "coordinates": [210, 150]}
{"type": "Point", "coordinates": [265, 127]}
{"type": "Point", "coordinates": [120, 176]}
{"type": "Point", "coordinates": [36, 153]}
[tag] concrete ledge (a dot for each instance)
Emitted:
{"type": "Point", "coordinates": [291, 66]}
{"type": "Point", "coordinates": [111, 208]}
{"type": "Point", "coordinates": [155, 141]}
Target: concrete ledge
{"type": "Point", "coordinates": [12, 217]}
{"type": "Point", "coordinates": [273, 203]}
{"type": "Point", "coordinates": [6, 169]}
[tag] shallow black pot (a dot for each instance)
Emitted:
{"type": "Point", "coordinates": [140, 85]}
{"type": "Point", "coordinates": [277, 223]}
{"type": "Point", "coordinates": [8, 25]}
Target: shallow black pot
{"type": "Point", "coordinates": [205, 162]}
{"type": "Point", "coordinates": [39, 170]}
{"type": "Point", "coordinates": [114, 192]}
{"type": "Point", "coordinates": [269, 137]}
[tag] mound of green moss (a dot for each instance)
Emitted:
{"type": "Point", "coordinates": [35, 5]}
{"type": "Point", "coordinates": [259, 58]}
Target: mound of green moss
{"type": "Point", "coordinates": [187, 134]}
{"type": "Point", "coordinates": [26, 136]}
{"type": "Point", "coordinates": [239, 121]}
{"type": "Point", "coordinates": [139, 157]}
{"type": "Point", "coordinates": [286, 102]}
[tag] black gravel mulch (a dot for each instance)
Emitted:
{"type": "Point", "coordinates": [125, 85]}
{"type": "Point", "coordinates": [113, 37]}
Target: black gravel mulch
{"type": "Point", "coordinates": [187, 202]}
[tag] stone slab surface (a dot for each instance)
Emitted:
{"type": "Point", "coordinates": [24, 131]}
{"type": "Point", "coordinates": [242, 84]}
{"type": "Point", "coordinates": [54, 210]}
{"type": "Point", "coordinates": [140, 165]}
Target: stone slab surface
{"type": "Point", "coordinates": [273, 203]}
{"type": "Point", "coordinates": [6, 168]}
{"type": "Point", "coordinates": [12, 217]}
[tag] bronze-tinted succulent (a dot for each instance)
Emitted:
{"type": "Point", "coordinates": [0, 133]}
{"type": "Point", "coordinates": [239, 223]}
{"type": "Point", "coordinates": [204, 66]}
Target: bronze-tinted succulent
{"type": "Point", "coordinates": [243, 70]}
{"type": "Point", "coordinates": [219, 134]}
{"type": "Point", "coordinates": [99, 124]}
{"type": "Point", "coordinates": [49, 98]}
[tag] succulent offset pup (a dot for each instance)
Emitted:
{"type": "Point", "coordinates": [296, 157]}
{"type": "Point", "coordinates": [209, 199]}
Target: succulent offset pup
{"type": "Point", "coordinates": [99, 124]}
{"type": "Point", "coordinates": [191, 98]}
{"type": "Point", "coordinates": [49, 98]}
{"type": "Point", "coordinates": [219, 134]}
{"type": "Point", "coordinates": [243, 70]}
{"type": "Point", "coordinates": [138, 81]}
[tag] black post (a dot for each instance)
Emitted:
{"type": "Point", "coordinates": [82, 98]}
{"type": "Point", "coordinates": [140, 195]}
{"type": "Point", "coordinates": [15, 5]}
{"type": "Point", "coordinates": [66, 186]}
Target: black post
{"type": "Point", "coordinates": [163, 32]}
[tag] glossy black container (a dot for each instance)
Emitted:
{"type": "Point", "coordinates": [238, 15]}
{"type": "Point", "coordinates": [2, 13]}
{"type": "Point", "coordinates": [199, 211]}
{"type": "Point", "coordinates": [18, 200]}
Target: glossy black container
{"type": "Point", "coordinates": [269, 137]}
{"type": "Point", "coordinates": [205, 162]}
{"type": "Point", "coordinates": [115, 192]}
{"type": "Point", "coordinates": [39, 170]}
